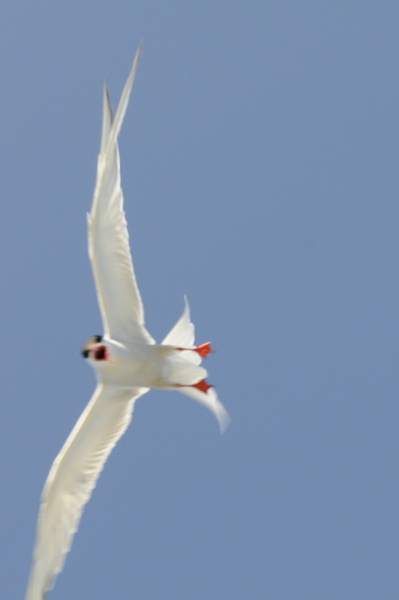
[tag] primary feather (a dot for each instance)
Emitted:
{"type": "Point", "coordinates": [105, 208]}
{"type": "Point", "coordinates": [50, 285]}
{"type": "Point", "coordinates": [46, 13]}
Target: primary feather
{"type": "Point", "coordinates": [119, 297]}
{"type": "Point", "coordinates": [72, 478]}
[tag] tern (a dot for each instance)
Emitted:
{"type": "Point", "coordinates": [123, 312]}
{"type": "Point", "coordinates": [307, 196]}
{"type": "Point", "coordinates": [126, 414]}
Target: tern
{"type": "Point", "coordinates": [126, 359]}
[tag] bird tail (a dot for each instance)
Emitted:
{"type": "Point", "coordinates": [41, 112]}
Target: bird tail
{"type": "Point", "coordinates": [182, 336]}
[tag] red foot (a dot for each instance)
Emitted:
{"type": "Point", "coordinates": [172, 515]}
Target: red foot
{"type": "Point", "coordinates": [202, 386]}
{"type": "Point", "coordinates": [202, 350]}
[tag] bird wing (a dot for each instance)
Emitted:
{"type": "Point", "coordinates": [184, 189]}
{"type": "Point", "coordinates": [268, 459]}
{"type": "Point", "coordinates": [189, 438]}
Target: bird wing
{"type": "Point", "coordinates": [117, 291]}
{"type": "Point", "coordinates": [72, 478]}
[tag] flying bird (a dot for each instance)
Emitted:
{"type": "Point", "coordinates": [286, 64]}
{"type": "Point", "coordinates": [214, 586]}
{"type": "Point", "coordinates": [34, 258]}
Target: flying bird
{"type": "Point", "coordinates": [126, 359]}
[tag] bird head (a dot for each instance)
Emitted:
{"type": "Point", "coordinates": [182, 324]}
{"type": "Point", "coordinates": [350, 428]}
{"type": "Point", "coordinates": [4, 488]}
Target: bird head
{"type": "Point", "coordinates": [96, 349]}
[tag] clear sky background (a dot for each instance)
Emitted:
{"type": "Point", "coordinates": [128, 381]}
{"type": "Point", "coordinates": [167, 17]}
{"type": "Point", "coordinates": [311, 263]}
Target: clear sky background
{"type": "Point", "coordinates": [260, 170]}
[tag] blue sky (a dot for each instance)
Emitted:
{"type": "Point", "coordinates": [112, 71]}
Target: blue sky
{"type": "Point", "coordinates": [260, 170]}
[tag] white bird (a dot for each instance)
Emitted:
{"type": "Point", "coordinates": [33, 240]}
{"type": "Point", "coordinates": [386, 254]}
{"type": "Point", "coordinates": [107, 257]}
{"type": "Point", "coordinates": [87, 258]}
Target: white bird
{"type": "Point", "coordinates": [126, 359]}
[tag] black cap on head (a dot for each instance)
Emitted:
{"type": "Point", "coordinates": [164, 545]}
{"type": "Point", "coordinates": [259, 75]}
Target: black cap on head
{"type": "Point", "coordinates": [95, 339]}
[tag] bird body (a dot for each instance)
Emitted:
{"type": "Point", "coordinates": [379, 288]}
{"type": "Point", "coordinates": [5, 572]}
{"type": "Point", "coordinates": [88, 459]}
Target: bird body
{"type": "Point", "coordinates": [126, 360]}
{"type": "Point", "coordinates": [143, 365]}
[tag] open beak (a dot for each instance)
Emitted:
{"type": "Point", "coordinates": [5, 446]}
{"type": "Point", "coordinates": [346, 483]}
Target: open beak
{"type": "Point", "coordinates": [100, 353]}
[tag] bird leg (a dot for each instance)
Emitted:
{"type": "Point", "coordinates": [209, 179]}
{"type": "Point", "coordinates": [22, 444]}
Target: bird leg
{"type": "Point", "coordinates": [202, 350]}
{"type": "Point", "coordinates": [202, 386]}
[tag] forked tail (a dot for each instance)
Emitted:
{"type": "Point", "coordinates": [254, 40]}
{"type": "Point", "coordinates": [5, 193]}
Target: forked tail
{"type": "Point", "coordinates": [181, 337]}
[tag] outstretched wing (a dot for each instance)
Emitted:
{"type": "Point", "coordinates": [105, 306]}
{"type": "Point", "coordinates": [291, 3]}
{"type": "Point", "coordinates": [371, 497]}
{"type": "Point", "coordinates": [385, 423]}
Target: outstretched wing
{"type": "Point", "coordinates": [117, 291]}
{"type": "Point", "coordinates": [72, 478]}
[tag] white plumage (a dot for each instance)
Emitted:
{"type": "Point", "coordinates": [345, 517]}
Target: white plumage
{"type": "Point", "coordinates": [126, 359]}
